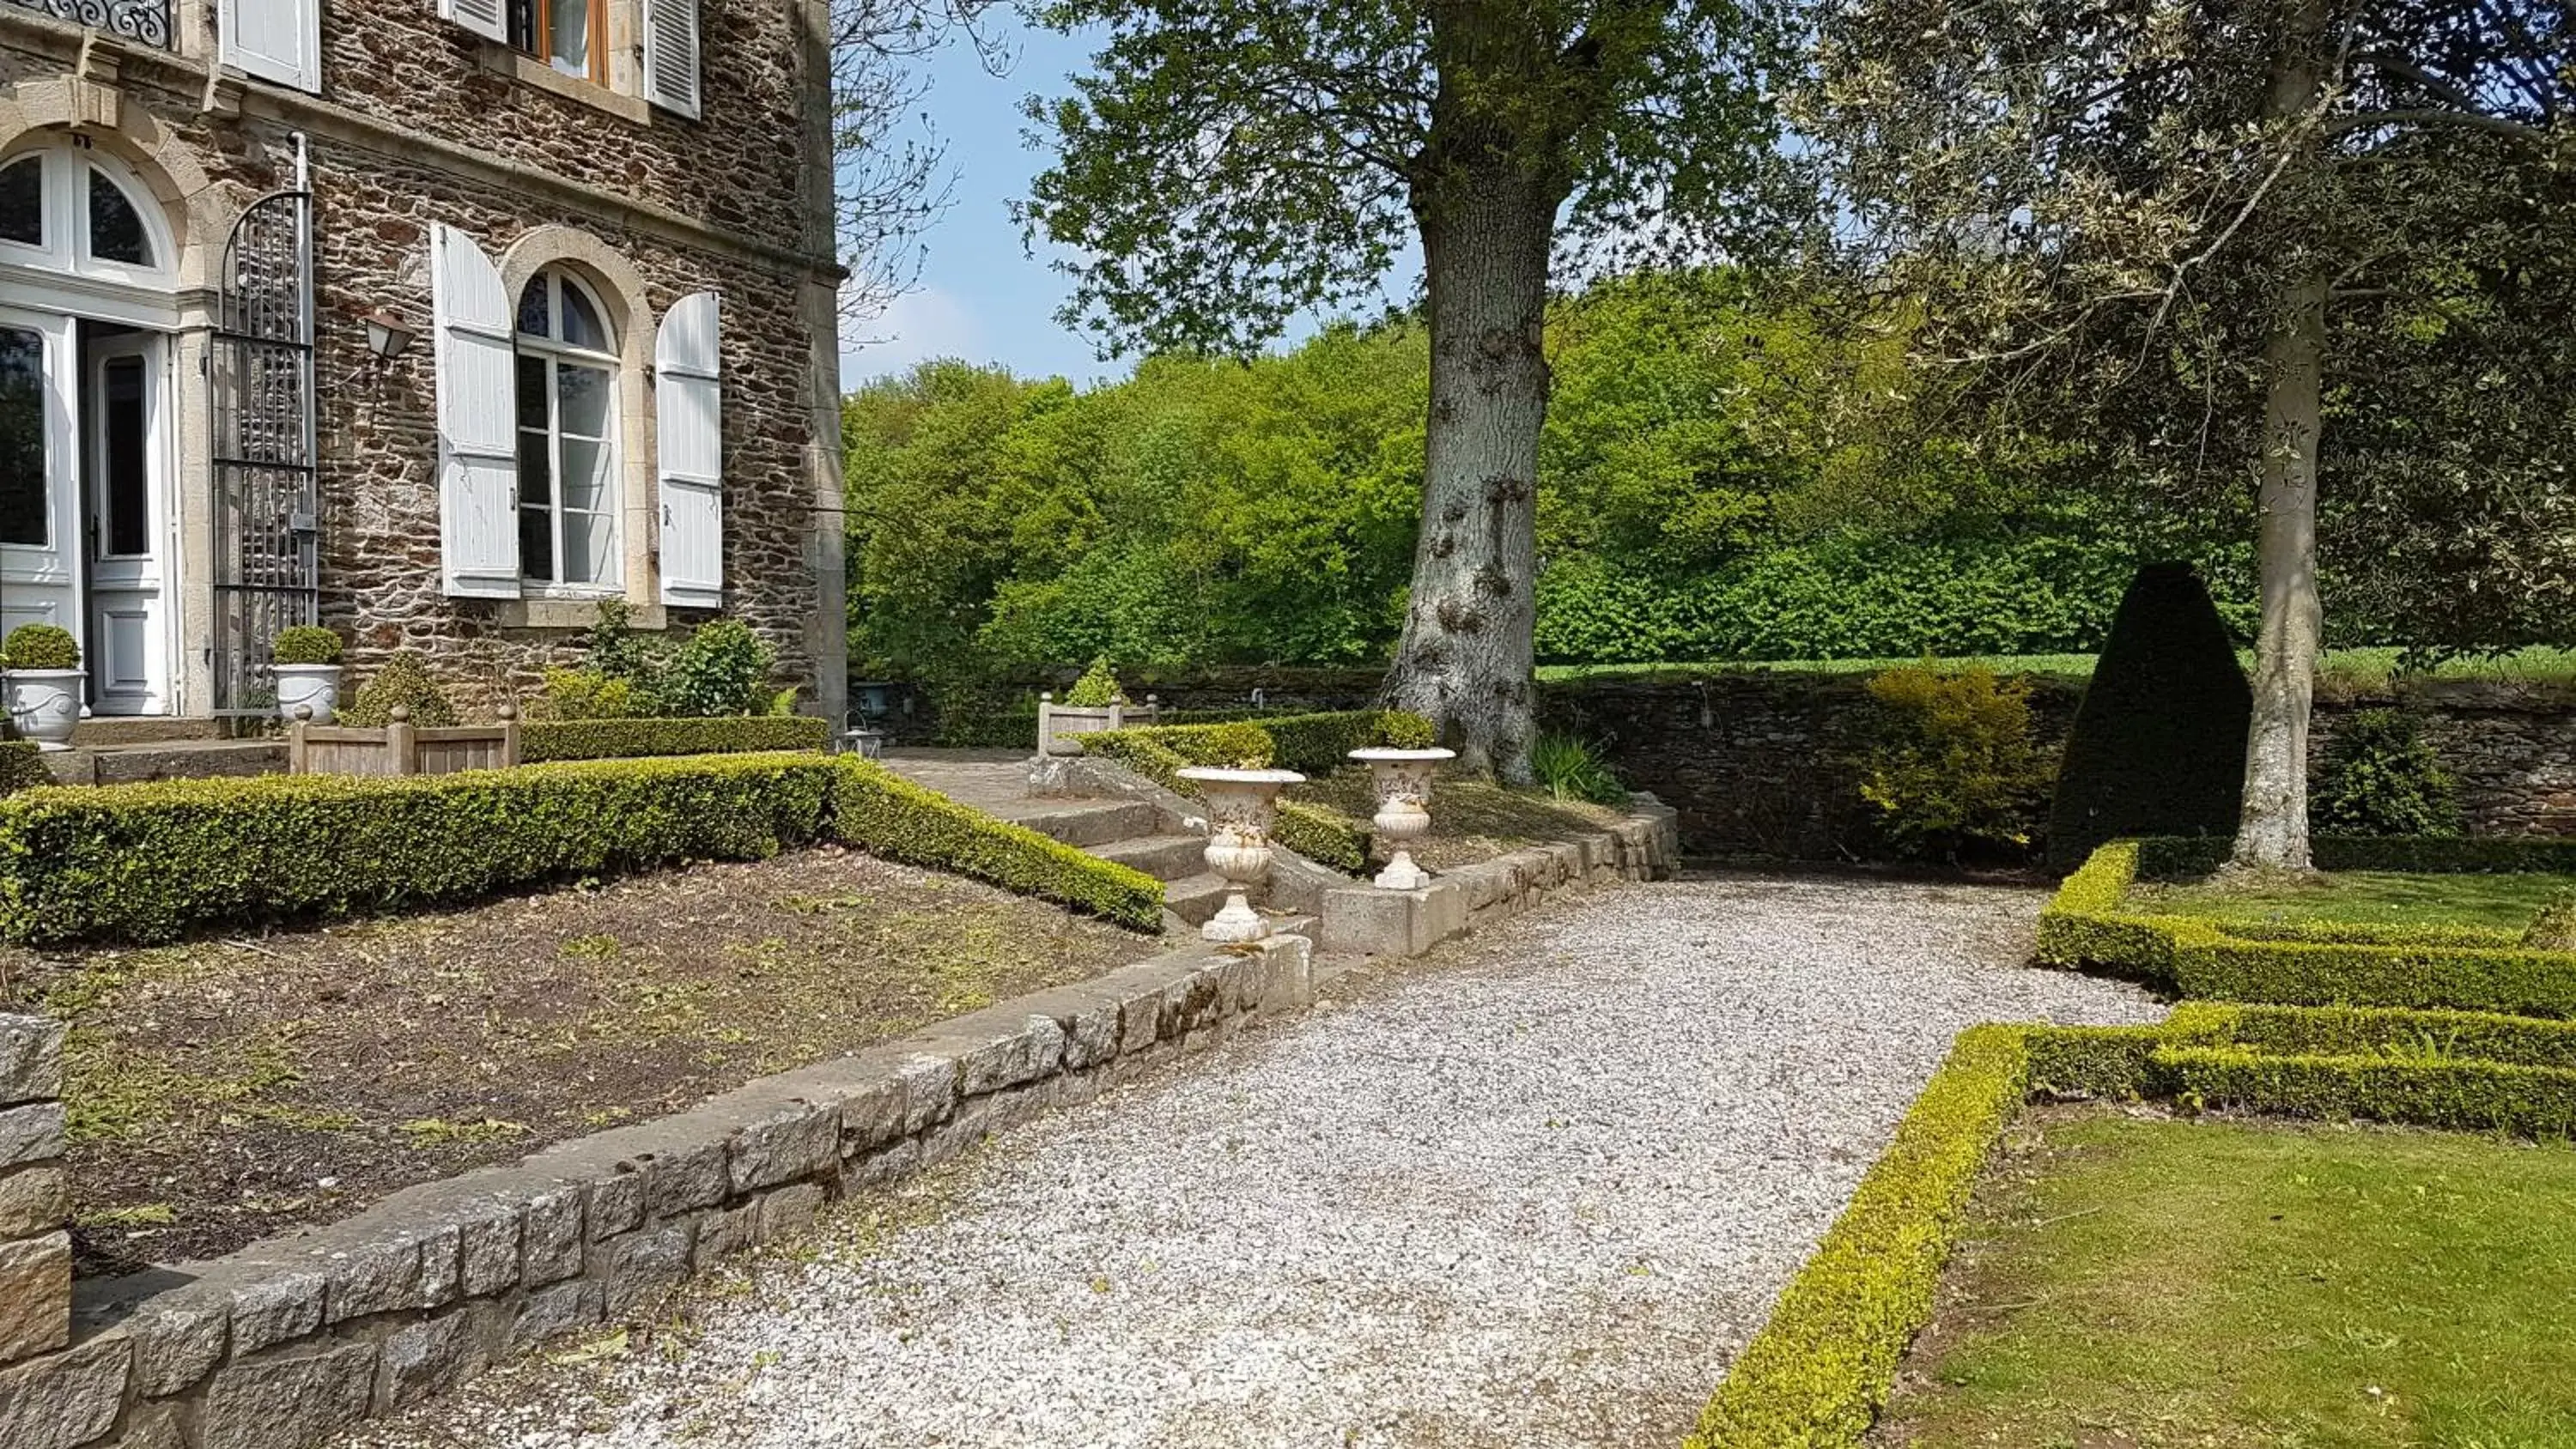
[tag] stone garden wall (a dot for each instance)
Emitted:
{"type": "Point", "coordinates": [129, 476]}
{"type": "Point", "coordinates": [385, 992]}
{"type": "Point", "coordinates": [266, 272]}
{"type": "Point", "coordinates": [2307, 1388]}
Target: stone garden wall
{"type": "Point", "coordinates": [281, 1344]}
{"type": "Point", "coordinates": [1758, 764]}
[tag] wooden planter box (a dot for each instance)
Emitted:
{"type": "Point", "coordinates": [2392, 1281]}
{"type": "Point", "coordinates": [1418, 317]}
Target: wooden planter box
{"type": "Point", "coordinates": [402, 748]}
{"type": "Point", "coordinates": [1058, 724]}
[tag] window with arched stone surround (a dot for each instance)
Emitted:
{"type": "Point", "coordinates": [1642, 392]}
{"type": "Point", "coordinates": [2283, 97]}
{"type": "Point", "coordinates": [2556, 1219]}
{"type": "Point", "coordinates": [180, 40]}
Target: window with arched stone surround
{"type": "Point", "coordinates": [569, 489]}
{"type": "Point", "coordinates": [617, 287]}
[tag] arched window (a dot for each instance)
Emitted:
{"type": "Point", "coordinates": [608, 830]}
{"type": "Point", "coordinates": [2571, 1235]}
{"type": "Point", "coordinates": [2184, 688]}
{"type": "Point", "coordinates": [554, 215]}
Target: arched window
{"type": "Point", "coordinates": [70, 208]}
{"type": "Point", "coordinates": [567, 409]}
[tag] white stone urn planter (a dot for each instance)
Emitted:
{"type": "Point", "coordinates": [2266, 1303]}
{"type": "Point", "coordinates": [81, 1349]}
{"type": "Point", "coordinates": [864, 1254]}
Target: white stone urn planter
{"type": "Point", "coordinates": [1240, 806]}
{"type": "Point", "coordinates": [46, 703]}
{"type": "Point", "coordinates": [1402, 782]}
{"type": "Point", "coordinates": [311, 686]}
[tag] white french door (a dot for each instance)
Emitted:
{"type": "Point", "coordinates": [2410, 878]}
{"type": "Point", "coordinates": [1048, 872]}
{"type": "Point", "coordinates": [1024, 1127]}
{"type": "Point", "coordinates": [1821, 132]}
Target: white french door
{"type": "Point", "coordinates": [40, 469]}
{"type": "Point", "coordinates": [124, 417]}
{"type": "Point", "coordinates": [85, 523]}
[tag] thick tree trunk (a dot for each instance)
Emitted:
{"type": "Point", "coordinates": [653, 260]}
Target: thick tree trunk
{"type": "Point", "coordinates": [1465, 658]}
{"type": "Point", "coordinates": [2272, 828]}
{"type": "Point", "coordinates": [2272, 832]}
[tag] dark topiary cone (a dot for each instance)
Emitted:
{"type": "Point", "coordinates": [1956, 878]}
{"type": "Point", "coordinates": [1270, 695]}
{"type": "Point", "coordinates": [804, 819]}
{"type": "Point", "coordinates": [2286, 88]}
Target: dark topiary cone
{"type": "Point", "coordinates": [2158, 746]}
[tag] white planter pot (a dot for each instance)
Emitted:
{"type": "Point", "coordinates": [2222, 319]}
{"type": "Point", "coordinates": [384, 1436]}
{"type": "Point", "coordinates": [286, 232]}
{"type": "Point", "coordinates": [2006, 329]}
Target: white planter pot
{"type": "Point", "coordinates": [46, 703]}
{"type": "Point", "coordinates": [310, 686]}
{"type": "Point", "coordinates": [1240, 805]}
{"type": "Point", "coordinates": [1402, 782]}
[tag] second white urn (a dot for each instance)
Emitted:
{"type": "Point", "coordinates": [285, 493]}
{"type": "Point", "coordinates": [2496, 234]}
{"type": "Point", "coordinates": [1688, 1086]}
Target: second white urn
{"type": "Point", "coordinates": [1402, 783]}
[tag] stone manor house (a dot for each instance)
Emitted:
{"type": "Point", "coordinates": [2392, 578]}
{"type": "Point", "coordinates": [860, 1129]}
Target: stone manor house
{"type": "Point", "coordinates": [435, 321]}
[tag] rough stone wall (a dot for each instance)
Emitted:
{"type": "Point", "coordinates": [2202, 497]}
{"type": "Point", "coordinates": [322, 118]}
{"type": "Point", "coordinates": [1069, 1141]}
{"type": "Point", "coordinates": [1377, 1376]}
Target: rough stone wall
{"type": "Point", "coordinates": [726, 203]}
{"type": "Point", "coordinates": [35, 1250]}
{"type": "Point", "coordinates": [1759, 764]}
{"type": "Point", "coordinates": [378, 424]}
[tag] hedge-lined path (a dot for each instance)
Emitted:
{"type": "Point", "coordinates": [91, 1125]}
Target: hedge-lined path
{"type": "Point", "coordinates": [1534, 1190]}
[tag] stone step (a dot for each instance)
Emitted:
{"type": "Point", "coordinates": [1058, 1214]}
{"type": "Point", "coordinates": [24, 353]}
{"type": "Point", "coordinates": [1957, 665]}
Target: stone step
{"type": "Point", "coordinates": [166, 760]}
{"type": "Point", "coordinates": [1194, 898]}
{"type": "Point", "coordinates": [1088, 823]}
{"type": "Point", "coordinates": [1164, 857]}
{"type": "Point", "coordinates": [140, 729]}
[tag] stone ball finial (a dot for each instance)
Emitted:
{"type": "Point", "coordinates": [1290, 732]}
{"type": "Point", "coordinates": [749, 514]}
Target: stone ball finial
{"type": "Point", "coordinates": [507, 712]}
{"type": "Point", "coordinates": [1046, 696]}
{"type": "Point", "coordinates": [400, 714]}
{"type": "Point", "coordinates": [304, 713]}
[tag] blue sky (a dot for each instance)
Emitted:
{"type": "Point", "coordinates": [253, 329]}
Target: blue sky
{"type": "Point", "coordinates": [982, 297]}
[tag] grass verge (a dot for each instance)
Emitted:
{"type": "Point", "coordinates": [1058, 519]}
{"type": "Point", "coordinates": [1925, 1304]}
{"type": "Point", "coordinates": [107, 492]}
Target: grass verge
{"type": "Point", "coordinates": [2152, 1282]}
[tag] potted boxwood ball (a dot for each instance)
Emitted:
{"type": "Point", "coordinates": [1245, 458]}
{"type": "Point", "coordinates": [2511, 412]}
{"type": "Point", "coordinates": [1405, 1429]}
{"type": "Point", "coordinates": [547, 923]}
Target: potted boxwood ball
{"type": "Point", "coordinates": [306, 661]}
{"type": "Point", "coordinates": [44, 679]}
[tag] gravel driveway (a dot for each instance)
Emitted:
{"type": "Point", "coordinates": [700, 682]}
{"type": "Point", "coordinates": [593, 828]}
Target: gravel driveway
{"type": "Point", "coordinates": [1536, 1192]}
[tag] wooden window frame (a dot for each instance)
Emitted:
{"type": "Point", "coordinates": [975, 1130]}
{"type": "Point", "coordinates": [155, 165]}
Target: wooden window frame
{"type": "Point", "coordinates": [540, 33]}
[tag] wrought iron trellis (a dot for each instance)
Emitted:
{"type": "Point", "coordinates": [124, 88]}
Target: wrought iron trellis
{"type": "Point", "coordinates": [266, 556]}
{"type": "Point", "coordinates": [145, 22]}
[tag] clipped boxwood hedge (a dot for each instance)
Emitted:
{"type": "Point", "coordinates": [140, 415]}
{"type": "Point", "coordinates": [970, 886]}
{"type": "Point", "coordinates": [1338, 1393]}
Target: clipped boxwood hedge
{"type": "Point", "coordinates": [147, 862]}
{"type": "Point", "coordinates": [886, 815]}
{"type": "Point", "coordinates": [543, 741]}
{"type": "Point", "coordinates": [1818, 1372]}
{"type": "Point", "coordinates": [1160, 753]}
{"type": "Point", "coordinates": [2423, 967]}
{"type": "Point", "coordinates": [22, 765]}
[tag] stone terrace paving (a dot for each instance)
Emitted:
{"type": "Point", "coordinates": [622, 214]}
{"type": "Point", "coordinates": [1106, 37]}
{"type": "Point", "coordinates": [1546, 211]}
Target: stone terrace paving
{"type": "Point", "coordinates": [1536, 1190]}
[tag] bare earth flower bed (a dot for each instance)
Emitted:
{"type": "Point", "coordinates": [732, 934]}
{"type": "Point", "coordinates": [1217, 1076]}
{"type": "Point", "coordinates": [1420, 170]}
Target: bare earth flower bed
{"type": "Point", "coordinates": [1471, 820]}
{"type": "Point", "coordinates": [227, 1089]}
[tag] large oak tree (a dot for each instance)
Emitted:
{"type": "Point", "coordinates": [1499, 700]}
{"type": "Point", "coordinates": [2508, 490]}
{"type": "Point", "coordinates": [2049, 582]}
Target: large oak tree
{"type": "Point", "coordinates": [1228, 165]}
{"type": "Point", "coordinates": [2251, 250]}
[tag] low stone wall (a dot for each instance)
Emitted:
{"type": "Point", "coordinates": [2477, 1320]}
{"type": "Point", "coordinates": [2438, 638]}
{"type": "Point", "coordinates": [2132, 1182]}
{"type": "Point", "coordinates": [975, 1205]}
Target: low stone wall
{"type": "Point", "coordinates": [1760, 763]}
{"type": "Point", "coordinates": [35, 1251]}
{"type": "Point", "coordinates": [1363, 919]}
{"type": "Point", "coordinates": [291, 1339]}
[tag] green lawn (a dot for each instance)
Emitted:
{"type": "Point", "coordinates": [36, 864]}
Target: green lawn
{"type": "Point", "coordinates": [2154, 1284]}
{"type": "Point", "coordinates": [2347, 668]}
{"type": "Point", "coordinates": [2364, 897]}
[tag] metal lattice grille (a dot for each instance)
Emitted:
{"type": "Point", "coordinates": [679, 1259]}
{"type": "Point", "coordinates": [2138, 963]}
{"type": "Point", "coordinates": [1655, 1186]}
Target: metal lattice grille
{"type": "Point", "coordinates": [267, 564]}
{"type": "Point", "coordinates": [146, 22]}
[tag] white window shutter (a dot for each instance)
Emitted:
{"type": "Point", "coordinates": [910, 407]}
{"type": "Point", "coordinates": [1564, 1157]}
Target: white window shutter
{"type": "Point", "coordinates": [671, 55]}
{"type": "Point", "coordinates": [486, 18]}
{"type": "Point", "coordinates": [478, 425]}
{"type": "Point", "coordinates": [275, 40]}
{"type": "Point", "coordinates": [688, 393]}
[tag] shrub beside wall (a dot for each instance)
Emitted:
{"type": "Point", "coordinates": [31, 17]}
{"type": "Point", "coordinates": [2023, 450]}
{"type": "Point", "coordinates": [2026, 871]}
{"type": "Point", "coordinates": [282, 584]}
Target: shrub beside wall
{"type": "Point", "coordinates": [886, 815]}
{"type": "Point", "coordinates": [147, 862]}
{"type": "Point", "coordinates": [1314, 744]}
{"type": "Point", "coordinates": [541, 741]}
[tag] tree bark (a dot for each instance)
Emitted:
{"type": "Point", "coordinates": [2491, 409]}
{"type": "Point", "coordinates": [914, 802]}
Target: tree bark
{"type": "Point", "coordinates": [1465, 659]}
{"type": "Point", "coordinates": [2272, 831]}
{"type": "Point", "coordinates": [2272, 827]}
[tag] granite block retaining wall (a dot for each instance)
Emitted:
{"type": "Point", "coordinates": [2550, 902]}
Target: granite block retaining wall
{"type": "Point", "coordinates": [1363, 919]}
{"type": "Point", "coordinates": [291, 1339]}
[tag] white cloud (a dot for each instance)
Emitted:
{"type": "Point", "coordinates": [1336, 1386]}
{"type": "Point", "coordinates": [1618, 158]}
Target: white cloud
{"type": "Point", "coordinates": [920, 325]}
